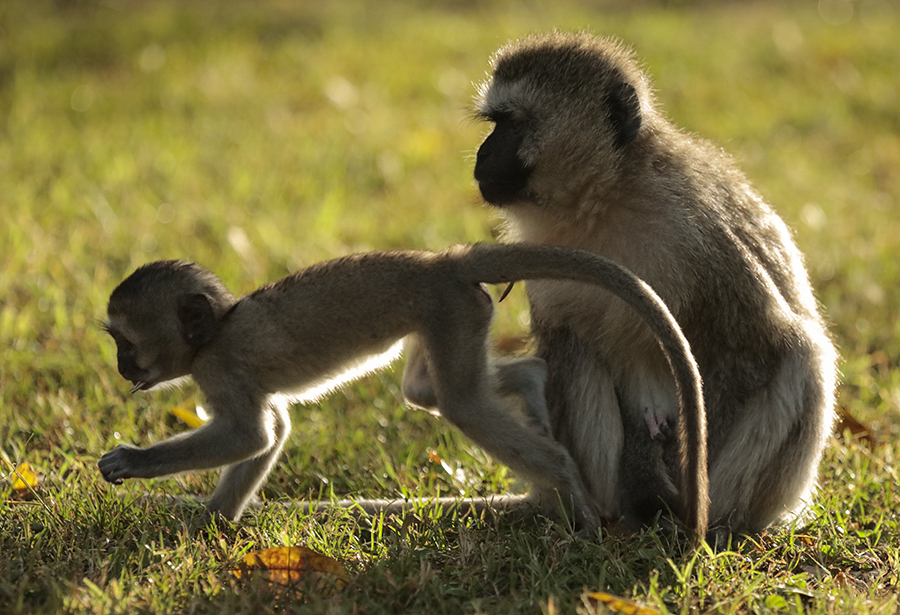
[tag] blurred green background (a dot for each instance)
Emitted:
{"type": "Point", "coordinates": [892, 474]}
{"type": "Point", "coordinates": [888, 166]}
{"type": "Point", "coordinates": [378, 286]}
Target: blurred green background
{"type": "Point", "coordinates": [260, 137]}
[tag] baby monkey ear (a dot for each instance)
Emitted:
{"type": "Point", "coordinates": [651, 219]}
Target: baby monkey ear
{"type": "Point", "coordinates": [196, 319]}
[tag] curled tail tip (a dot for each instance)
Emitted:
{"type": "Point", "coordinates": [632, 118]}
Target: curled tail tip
{"type": "Point", "coordinates": [698, 526]}
{"type": "Point", "coordinates": [696, 513]}
{"type": "Point", "coordinates": [701, 527]}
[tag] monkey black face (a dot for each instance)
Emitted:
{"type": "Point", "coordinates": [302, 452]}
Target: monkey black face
{"type": "Point", "coordinates": [501, 174]}
{"type": "Point", "coordinates": [126, 358]}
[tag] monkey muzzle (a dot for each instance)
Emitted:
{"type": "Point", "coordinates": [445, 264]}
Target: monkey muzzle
{"type": "Point", "coordinates": [141, 379]}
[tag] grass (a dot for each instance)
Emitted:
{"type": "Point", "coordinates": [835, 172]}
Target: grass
{"type": "Point", "coordinates": [259, 137]}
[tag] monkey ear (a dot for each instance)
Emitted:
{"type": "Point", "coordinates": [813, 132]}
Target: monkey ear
{"type": "Point", "coordinates": [624, 108]}
{"type": "Point", "coordinates": [196, 319]}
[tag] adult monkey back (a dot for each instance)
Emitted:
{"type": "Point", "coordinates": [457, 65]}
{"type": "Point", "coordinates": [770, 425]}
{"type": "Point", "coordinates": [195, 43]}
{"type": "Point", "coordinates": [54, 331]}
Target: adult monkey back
{"type": "Point", "coordinates": [580, 156]}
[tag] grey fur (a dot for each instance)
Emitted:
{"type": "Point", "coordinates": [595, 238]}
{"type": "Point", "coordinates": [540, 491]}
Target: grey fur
{"type": "Point", "coordinates": [608, 173]}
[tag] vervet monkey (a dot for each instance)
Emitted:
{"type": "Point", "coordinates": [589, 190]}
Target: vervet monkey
{"type": "Point", "coordinates": [581, 156]}
{"type": "Point", "coordinates": [324, 325]}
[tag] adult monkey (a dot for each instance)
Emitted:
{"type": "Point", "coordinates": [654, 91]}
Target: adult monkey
{"type": "Point", "coordinates": [580, 156]}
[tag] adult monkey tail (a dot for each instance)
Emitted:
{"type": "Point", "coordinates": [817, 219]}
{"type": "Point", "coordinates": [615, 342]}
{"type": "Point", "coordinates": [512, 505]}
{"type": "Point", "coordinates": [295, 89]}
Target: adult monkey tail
{"type": "Point", "coordinates": [512, 262]}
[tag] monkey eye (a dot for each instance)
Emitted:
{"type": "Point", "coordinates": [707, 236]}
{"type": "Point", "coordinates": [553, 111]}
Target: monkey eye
{"type": "Point", "coordinates": [121, 341]}
{"type": "Point", "coordinates": [519, 120]}
{"type": "Point", "coordinates": [499, 116]}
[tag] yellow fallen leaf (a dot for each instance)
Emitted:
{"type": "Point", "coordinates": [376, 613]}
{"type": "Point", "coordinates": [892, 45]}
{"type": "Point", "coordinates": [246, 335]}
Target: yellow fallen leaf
{"type": "Point", "coordinates": [187, 414]}
{"type": "Point", "coordinates": [26, 479]}
{"type": "Point", "coordinates": [620, 605]}
{"type": "Point", "coordinates": [294, 569]}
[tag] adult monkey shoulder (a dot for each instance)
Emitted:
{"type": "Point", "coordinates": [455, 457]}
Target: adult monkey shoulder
{"type": "Point", "coordinates": [579, 155]}
{"type": "Point", "coordinates": [327, 324]}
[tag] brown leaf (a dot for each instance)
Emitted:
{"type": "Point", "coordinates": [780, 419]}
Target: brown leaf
{"type": "Point", "coordinates": [620, 605]}
{"type": "Point", "coordinates": [294, 569]}
{"type": "Point", "coordinates": [847, 421]}
{"type": "Point", "coordinates": [511, 344]}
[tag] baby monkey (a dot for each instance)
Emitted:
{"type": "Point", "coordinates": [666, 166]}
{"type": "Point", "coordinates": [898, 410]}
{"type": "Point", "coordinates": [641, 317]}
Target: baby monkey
{"type": "Point", "coordinates": [336, 320]}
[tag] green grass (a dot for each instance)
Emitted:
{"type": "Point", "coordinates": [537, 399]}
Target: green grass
{"type": "Point", "coordinates": [259, 137]}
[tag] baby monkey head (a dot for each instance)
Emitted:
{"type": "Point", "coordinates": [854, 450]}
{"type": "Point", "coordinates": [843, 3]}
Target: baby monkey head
{"type": "Point", "coordinates": [159, 317]}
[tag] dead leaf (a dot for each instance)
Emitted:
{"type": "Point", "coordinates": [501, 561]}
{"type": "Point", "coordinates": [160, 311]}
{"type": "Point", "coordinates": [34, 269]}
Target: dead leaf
{"type": "Point", "coordinates": [511, 344]}
{"type": "Point", "coordinates": [187, 414]}
{"type": "Point", "coordinates": [551, 607]}
{"type": "Point", "coordinates": [294, 569]}
{"type": "Point", "coordinates": [847, 421]}
{"type": "Point", "coordinates": [25, 481]}
{"type": "Point", "coordinates": [620, 605]}
{"type": "Point", "coordinates": [881, 362]}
